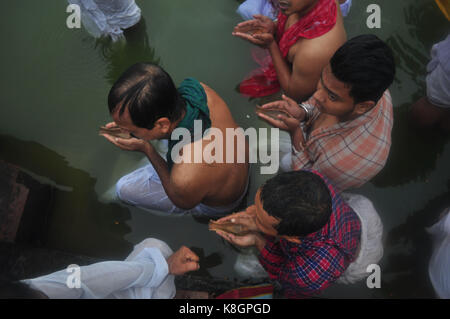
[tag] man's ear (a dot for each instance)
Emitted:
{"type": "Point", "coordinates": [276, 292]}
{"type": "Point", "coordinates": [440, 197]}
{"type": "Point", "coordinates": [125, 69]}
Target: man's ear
{"type": "Point", "coordinates": [292, 239]}
{"type": "Point", "coordinates": [364, 107]}
{"type": "Point", "coordinates": [163, 125]}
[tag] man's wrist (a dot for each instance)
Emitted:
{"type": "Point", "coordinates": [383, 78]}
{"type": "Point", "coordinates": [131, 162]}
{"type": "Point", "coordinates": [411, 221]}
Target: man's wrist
{"type": "Point", "coordinates": [272, 46]}
{"type": "Point", "coordinates": [298, 140]}
{"type": "Point", "coordinates": [307, 109]}
{"type": "Point", "coordinates": [148, 149]}
{"type": "Point", "coordinates": [260, 242]}
{"type": "Point", "coordinates": [303, 115]}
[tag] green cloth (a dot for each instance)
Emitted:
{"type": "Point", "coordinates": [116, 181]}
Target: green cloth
{"type": "Point", "coordinates": [196, 102]}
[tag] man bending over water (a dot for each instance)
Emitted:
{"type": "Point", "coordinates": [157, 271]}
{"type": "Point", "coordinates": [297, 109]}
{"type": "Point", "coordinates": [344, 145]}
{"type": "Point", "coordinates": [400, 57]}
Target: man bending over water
{"type": "Point", "coordinates": [145, 103]}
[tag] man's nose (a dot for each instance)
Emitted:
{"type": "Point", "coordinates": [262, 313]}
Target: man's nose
{"type": "Point", "coordinates": [319, 95]}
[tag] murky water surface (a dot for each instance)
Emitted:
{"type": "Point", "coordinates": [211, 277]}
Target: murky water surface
{"type": "Point", "coordinates": [54, 86]}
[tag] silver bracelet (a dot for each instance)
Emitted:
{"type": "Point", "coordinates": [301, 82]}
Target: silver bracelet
{"type": "Point", "coordinates": [308, 108]}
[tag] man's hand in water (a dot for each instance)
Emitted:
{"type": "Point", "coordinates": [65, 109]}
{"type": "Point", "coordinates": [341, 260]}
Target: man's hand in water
{"type": "Point", "coordinates": [183, 261]}
{"type": "Point", "coordinates": [132, 144]}
{"type": "Point", "coordinates": [259, 31]}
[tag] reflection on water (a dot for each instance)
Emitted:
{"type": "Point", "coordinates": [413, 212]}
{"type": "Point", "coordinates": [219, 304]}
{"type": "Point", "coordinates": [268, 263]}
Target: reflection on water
{"type": "Point", "coordinates": [206, 262]}
{"type": "Point", "coordinates": [80, 223]}
{"type": "Point", "coordinates": [409, 59]}
{"type": "Point", "coordinates": [403, 273]}
{"type": "Point", "coordinates": [426, 23]}
{"type": "Point", "coordinates": [120, 55]}
{"type": "Point", "coordinates": [424, 27]}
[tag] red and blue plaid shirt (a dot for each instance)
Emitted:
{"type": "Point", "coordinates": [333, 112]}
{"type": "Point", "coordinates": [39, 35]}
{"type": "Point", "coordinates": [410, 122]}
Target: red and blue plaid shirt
{"type": "Point", "coordinates": [322, 257]}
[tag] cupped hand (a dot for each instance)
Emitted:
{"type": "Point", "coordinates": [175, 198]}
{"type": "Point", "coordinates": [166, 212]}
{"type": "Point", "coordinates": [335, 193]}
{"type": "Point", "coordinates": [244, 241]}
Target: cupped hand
{"type": "Point", "coordinates": [283, 122]}
{"type": "Point", "coordinates": [183, 261]}
{"type": "Point", "coordinates": [132, 144]}
{"type": "Point", "coordinates": [246, 218]}
{"type": "Point", "coordinates": [260, 31]}
{"type": "Point", "coordinates": [243, 241]}
{"type": "Point", "coordinates": [286, 105]}
{"type": "Point", "coordinates": [261, 24]}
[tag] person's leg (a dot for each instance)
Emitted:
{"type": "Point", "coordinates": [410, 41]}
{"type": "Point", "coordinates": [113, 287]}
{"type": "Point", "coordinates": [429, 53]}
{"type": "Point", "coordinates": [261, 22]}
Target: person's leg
{"type": "Point", "coordinates": [166, 251]}
{"type": "Point", "coordinates": [445, 121]}
{"type": "Point", "coordinates": [167, 288]}
{"type": "Point", "coordinates": [423, 114]}
{"type": "Point", "coordinates": [434, 109]}
{"type": "Point", "coordinates": [143, 188]}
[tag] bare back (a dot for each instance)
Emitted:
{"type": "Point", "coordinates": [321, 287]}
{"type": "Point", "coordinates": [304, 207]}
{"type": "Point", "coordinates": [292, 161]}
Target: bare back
{"type": "Point", "coordinates": [224, 182]}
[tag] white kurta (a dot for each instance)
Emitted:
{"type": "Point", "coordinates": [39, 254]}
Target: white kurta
{"type": "Point", "coordinates": [143, 275]}
{"type": "Point", "coordinates": [439, 267]}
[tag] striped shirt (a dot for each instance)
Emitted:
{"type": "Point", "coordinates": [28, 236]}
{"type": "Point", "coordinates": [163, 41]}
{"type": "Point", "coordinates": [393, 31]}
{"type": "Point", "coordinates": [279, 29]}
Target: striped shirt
{"type": "Point", "coordinates": [348, 153]}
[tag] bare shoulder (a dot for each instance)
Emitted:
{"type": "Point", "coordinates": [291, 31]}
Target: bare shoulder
{"type": "Point", "coordinates": [310, 58]}
{"type": "Point", "coordinates": [313, 53]}
{"type": "Point", "coordinates": [220, 113]}
{"type": "Point", "coordinates": [211, 94]}
{"type": "Point", "coordinates": [323, 47]}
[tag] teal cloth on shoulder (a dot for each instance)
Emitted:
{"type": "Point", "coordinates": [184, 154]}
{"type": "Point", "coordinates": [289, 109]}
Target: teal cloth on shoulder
{"type": "Point", "coordinates": [196, 102]}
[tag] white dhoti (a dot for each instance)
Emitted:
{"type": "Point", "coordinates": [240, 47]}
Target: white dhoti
{"type": "Point", "coordinates": [371, 246]}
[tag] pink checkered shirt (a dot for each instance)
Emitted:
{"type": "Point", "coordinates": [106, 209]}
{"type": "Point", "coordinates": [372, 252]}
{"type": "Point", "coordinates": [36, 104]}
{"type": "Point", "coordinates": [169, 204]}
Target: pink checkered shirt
{"type": "Point", "coordinates": [352, 152]}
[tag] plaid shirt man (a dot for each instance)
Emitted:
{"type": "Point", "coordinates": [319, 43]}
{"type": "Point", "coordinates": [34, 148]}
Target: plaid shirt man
{"type": "Point", "coordinates": [321, 258]}
{"type": "Point", "coordinates": [348, 153]}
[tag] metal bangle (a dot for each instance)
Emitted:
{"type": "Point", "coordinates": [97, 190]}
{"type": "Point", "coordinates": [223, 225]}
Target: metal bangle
{"type": "Point", "coordinates": [308, 110]}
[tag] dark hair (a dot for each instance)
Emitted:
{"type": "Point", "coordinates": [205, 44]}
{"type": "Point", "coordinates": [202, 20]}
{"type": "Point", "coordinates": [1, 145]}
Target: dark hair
{"type": "Point", "coordinates": [366, 64]}
{"type": "Point", "coordinates": [300, 199]}
{"type": "Point", "coordinates": [18, 290]}
{"type": "Point", "coordinates": [149, 94]}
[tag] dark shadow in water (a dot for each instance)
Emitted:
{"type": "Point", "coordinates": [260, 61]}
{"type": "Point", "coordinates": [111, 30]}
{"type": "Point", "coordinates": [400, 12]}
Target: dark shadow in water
{"type": "Point", "coordinates": [123, 54]}
{"type": "Point", "coordinates": [206, 262]}
{"type": "Point", "coordinates": [79, 223]}
{"type": "Point", "coordinates": [411, 248]}
{"type": "Point", "coordinates": [413, 154]}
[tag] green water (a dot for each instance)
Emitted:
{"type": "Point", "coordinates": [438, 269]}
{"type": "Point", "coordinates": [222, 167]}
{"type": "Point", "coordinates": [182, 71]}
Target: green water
{"type": "Point", "coordinates": [54, 86]}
